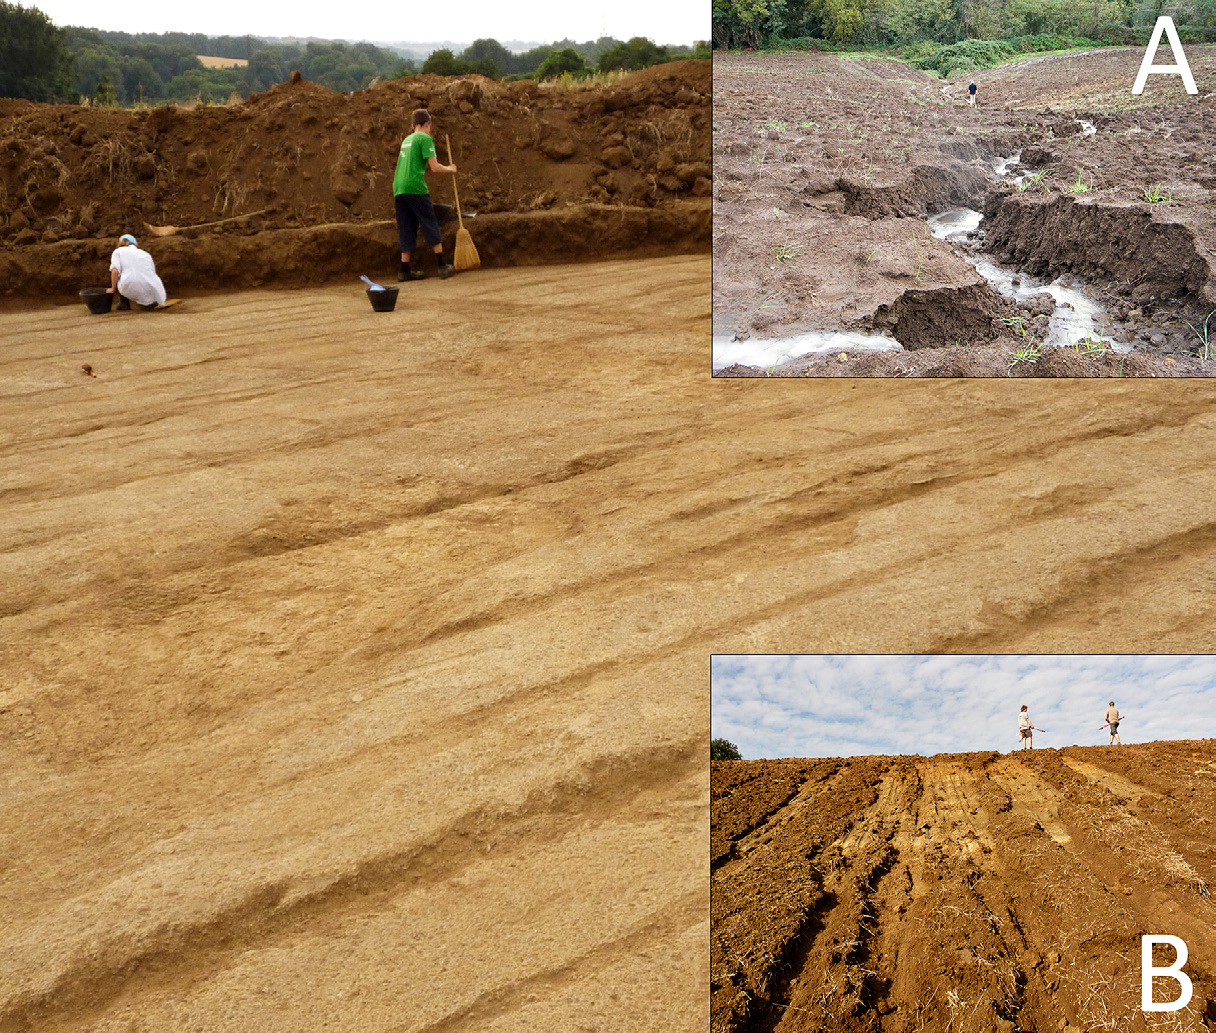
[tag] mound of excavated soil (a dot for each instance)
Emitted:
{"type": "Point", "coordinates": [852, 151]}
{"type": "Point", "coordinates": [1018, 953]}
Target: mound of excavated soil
{"type": "Point", "coordinates": [826, 167]}
{"type": "Point", "coordinates": [967, 891]}
{"type": "Point", "coordinates": [300, 156]}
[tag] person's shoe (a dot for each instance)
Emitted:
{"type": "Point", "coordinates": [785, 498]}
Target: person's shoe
{"type": "Point", "coordinates": [124, 304]}
{"type": "Point", "coordinates": [446, 270]}
{"type": "Point", "coordinates": [410, 274]}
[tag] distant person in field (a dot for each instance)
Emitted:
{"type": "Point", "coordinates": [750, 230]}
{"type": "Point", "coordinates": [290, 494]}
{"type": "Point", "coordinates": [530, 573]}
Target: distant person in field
{"type": "Point", "coordinates": [971, 90]}
{"type": "Point", "coordinates": [1026, 729]}
{"type": "Point", "coordinates": [413, 199]}
{"type": "Point", "coordinates": [1112, 719]}
{"type": "Point", "coordinates": [133, 276]}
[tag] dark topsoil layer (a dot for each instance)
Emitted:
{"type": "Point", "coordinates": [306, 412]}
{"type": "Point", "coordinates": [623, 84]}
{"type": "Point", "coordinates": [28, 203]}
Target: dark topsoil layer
{"type": "Point", "coordinates": [826, 166]}
{"type": "Point", "coordinates": [295, 184]}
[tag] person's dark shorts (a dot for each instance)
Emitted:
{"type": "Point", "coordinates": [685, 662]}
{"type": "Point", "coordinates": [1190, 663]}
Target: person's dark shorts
{"type": "Point", "coordinates": [414, 212]}
{"type": "Point", "coordinates": [1114, 728]}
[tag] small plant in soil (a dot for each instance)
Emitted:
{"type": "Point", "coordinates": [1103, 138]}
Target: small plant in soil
{"type": "Point", "coordinates": [1154, 195]}
{"type": "Point", "coordinates": [1017, 321]}
{"type": "Point", "coordinates": [1026, 353]}
{"type": "Point", "coordinates": [1080, 186]}
{"type": "Point", "coordinates": [1085, 344]}
{"type": "Point", "coordinates": [786, 252]}
{"type": "Point", "coordinates": [1030, 180]}
{"type": "Point", "coordinates": [1203, 336]}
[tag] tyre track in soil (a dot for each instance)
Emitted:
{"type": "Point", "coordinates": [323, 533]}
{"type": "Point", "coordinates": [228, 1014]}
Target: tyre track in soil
{"type": "Point", "coordinates": [970, 892]}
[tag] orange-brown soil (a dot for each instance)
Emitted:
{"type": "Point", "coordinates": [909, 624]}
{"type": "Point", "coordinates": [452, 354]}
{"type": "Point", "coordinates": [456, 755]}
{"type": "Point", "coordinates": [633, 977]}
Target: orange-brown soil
{"type": "Point", "coordinates": [961, 891]}
{"type": "Point", "coordinates": [336, 686]}
{"type": "Point", "coordinates": [353, 658]}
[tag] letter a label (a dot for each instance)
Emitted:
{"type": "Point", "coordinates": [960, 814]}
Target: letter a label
{"type": "Point", "coordinates": [1180, 68]}
{"type": "Point", "coordinates": [1174, 972]}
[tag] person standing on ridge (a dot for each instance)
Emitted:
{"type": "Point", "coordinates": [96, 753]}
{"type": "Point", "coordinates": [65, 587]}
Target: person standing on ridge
{"type": "Point", "coordinates": [1026, 729]}
{"type": "Point", "coordinates": [971, 90]}
{"type": "Point", "coordinates": [412, 199]}
{"type": "Point", "coordinates": [1112, 719]}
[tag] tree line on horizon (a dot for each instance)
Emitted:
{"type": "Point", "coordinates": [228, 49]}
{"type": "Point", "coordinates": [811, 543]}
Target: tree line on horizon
{"type": "Point", "coordinates": [43, 62]}
{"type": "Point", "coordinates": [924, 26]}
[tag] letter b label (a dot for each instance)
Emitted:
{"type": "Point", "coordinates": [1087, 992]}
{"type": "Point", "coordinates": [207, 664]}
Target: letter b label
{"type": "Point", "coordinates": [1174, 972]}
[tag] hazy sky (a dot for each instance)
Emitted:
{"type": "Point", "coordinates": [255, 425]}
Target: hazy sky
{"type": "Point", "coordinates": [834, 706]}
{"type": "Point", "coordinates": [673, 21]}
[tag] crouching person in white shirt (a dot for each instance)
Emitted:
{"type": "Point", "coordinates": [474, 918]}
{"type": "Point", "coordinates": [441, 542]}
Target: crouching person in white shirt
{"type": "Point", "coordinates": [133, 276]}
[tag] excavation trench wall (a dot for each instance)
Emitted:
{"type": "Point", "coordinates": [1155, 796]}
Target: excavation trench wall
{"type": "Point", "coordinates": [316, 254]}
{"type": "Point", "coordinates": [1139, 255]}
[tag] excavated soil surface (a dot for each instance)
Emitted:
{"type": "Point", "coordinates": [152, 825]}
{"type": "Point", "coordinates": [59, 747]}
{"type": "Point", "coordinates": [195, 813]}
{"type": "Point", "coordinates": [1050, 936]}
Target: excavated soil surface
{"type": "Point", "coordinates": [826, 167]}
{"type": "Point", "coordinates": [338, 683]}
{"type": "Point", "coordinates": [353, 665]}
{"type": "Point", "coordinates": [294, 186]}
{"type": "Point", "coordinates": [967, 891]}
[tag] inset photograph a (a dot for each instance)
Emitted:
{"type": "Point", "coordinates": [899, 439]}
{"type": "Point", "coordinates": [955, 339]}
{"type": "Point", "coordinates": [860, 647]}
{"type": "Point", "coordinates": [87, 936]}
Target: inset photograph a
{"type": "Point", "coordinates": [970, 843]}
{"type": "Point", "coordinates": [969, 198]}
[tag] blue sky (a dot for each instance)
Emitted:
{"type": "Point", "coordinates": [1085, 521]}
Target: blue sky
{"type": "Point", "coordinates": [678, 21]}
{"type": "Point", "coordinates": [841, 706]}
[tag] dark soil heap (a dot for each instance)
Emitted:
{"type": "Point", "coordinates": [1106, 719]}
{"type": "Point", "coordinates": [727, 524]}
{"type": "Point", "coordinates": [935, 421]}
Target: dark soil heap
{"type": "Point", "coordinates": [301, 156]}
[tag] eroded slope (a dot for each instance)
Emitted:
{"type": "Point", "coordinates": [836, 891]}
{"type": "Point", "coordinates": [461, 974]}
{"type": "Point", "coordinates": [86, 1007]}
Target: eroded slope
{"type": "Point", "coordinates": [962, 891]}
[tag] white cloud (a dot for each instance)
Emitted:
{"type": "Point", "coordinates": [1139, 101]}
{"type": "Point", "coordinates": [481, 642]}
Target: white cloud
{"type": "Point", "coordinates": [819, 706]}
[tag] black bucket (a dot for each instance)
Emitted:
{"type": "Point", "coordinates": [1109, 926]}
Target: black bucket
{"type": "Point", "coordinates": [383, 300]}
{"type": "Point", "coordinates": [98, 299]}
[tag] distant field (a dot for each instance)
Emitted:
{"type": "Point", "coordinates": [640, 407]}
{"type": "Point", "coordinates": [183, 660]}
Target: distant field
{"type": "Point", "coordinates": [222, 62]}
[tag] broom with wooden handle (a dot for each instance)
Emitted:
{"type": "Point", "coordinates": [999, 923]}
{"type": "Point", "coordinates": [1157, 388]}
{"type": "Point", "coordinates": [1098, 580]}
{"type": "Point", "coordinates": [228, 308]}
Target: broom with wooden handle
{"type": "Point", "coordinates": [466, 256]}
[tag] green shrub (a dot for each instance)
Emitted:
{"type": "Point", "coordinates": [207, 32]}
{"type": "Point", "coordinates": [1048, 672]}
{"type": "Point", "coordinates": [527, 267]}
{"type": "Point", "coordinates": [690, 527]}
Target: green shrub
{"type": "Point", "coordinates": [956, 65]}
{"type": "Point", "coordinates": [917, 52]}
{"type": "Point", "coordinates": [802, 43]}
{"type": "Point", "coordinates": [813, 45]}
{"type": "Point", "coordinates": [1041, 41]}
{"type": "Point", "coordinates": [723, 749]}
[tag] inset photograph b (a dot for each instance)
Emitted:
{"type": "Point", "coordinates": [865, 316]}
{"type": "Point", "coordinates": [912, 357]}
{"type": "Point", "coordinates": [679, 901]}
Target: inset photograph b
{"type": "Point", "coordinates": [907, 843]}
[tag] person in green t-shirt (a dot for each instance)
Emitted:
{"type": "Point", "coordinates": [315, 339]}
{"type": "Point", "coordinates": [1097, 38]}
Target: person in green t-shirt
{"type": "Point", "coordinates": [413, 200]}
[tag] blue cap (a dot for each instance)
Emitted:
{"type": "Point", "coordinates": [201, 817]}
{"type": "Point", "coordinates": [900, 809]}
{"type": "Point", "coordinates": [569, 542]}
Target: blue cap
{"type": "Point", "coordinates": [127, 238]}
